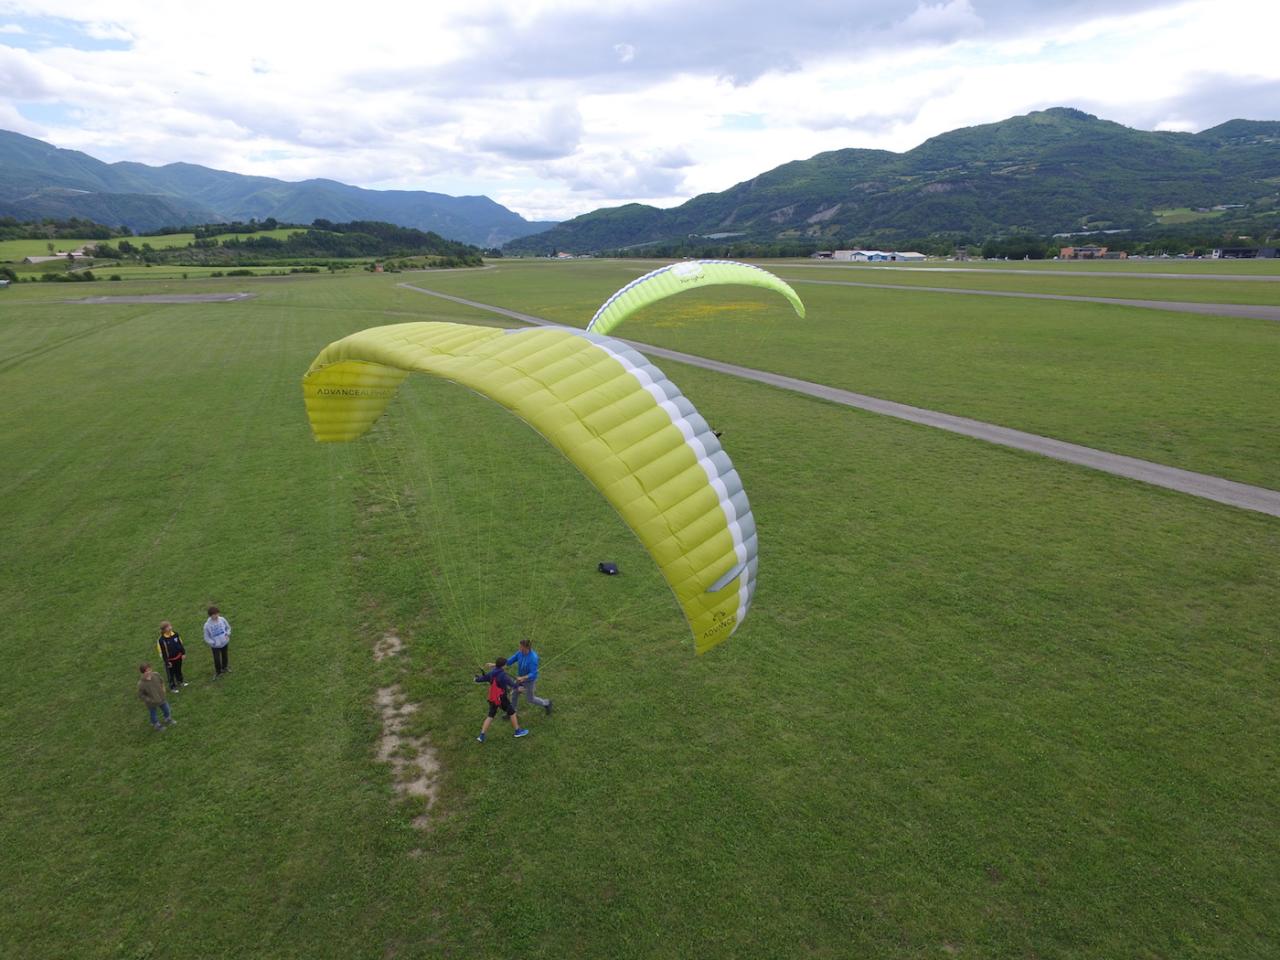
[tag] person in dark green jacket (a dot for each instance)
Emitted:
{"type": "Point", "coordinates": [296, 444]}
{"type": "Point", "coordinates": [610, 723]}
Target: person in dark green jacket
{"type": "Point", "coordinates": [151, 692]}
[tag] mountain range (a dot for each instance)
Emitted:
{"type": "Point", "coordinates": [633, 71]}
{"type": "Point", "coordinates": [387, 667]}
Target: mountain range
{"type": "Point", "coordinates": [1053, 171]}
{"type": "Point", "coordinates": [1056, 171]}
{"type": "Point", "coordinates": [39, 180]}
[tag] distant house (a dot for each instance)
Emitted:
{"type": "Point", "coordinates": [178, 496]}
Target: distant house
{"type": "Point", "coordinates": [1245, 253]}
{"type": "Point", "coordinates": [4, 283]}
{"type": "Point", "coordinates": [908, 255]}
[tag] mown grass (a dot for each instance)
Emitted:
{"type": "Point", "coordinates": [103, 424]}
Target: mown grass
{"type": "Point", "coordinates": [985, 703]}
{"type": "Point", "coordinates": [1197, 392]}
{"type": "Point", "coordinates": [1263, 290]}
{"type": "Point", "coordinates": [1190, 267]}
{"type": "Point", "coordinates": [1185, 214]}
{"type": "Point", "coordinates": [1197, 282]}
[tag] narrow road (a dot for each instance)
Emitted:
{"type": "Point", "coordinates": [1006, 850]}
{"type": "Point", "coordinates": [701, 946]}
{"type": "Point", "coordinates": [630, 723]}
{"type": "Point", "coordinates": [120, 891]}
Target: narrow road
{"type": "Point", "coordinates": [1234, 494]}
{"type": "Point", "coordinates": [1251, 311]}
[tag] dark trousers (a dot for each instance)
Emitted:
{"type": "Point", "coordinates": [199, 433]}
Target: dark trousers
{"type": "Point", "coordinates": [220, 659]}
{"type": "Point", "coordinates": [174, 670]}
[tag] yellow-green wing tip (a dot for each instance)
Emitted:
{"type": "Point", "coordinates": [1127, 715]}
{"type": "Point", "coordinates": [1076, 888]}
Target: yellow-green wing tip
{"type": "Point", "coordinates": [686, 275]}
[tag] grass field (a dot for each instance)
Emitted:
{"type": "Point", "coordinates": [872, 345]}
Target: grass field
{"type": "Point", "coordinates": [1185, 214]}
{"type": "Point", "coordinates": [12, 250]}
{"type": "Point", "coordinates": [1259, 289]}
{"type": "Point", "coordinates": [1190, 267]}
{"type": "Point", "coordinates": [1197, 392]}
{"type": "Point", "coordinates": [986, 704]}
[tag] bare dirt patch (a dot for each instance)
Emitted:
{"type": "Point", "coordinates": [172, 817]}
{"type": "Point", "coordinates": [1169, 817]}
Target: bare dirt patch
{"type": "Point", "coordinates": [414, 766]}
{"type": "Point", "coordinates": [389, 646]}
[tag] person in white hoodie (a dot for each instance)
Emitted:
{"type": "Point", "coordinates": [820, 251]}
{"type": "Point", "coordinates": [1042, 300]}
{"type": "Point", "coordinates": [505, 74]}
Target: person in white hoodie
{"type": "Point", "coordinates": [217, 634]}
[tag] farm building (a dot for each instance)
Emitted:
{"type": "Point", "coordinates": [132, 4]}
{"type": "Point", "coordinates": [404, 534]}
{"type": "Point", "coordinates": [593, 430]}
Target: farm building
{"type": "Point", "coordinates": [60, 255]}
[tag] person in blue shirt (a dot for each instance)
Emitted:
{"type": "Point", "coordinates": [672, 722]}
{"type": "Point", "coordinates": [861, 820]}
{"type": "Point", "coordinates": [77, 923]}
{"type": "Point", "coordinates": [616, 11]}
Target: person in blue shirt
{"type": "Point", "coordinates": [525, 663]}
{"type": "Point", "coordinates": [500, 687]}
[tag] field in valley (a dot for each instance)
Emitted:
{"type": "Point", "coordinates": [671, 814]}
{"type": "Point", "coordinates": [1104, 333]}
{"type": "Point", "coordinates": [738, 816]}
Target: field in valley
{"type": "Point", "coordinates": [986, 704]}
{"type": "Point", "coordinates": [12, 250]}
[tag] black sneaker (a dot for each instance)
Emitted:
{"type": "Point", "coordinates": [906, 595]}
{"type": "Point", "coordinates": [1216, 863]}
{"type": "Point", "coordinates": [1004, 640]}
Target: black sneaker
{"type": "Point", "coordinates": [548, 707]}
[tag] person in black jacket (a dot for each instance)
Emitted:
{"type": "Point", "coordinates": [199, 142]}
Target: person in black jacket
{"type": "Point", "coordinates": [172, 653]}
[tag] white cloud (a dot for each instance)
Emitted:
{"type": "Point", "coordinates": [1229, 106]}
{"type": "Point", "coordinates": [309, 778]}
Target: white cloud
{"type": "Point", "coordinates": [533, 133]}
{"type": "Point", "coordinates": [23, 76]}
{"type": "Point", "coordinates": [555, 108]}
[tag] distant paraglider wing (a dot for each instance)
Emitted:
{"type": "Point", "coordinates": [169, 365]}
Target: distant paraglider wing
{"type": "Point", "coordinates": [610, 411]}
{"type": "Point", "coordinates": [679, 277]}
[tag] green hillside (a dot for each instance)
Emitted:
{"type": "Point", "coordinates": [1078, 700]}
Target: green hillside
{"type": "Point", "coordinates": [39, 180]}
{"type": "Point", "coordinates": [1054, 171]}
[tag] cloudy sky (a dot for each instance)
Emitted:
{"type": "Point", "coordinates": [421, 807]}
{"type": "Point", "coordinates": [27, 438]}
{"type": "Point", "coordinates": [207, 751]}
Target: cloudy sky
{"type": "Point", "coordinates": [558, 107]}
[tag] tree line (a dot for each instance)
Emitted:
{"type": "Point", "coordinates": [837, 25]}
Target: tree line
{"type": "Point", "coordinates": [324, 239]}
{"type": "Point", "coordinates": [51, 229]}
{"type": "Point", "coordinates": [1173, 240]}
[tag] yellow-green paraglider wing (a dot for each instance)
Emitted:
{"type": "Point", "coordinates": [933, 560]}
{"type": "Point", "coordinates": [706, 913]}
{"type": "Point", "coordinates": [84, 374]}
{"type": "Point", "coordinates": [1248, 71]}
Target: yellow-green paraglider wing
{"type": "Point", "coordinates": [610, 411]}
{"type": "Point", "coordinates": [679, 277]}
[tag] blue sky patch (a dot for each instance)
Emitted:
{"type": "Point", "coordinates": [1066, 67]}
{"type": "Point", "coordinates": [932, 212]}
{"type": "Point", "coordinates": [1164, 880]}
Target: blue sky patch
{"type": "Point", "coordinates": [40, 33]}
{"type": "Point", "coordinates": [742, 121]}
{"type": "Point", "coordinates": [48, 114]}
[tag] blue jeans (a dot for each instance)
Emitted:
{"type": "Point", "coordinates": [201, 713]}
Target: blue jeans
{"type": "Point", "coordinates": [152, 711]}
